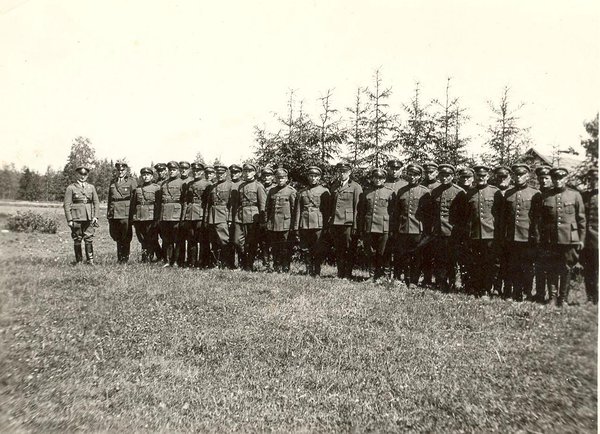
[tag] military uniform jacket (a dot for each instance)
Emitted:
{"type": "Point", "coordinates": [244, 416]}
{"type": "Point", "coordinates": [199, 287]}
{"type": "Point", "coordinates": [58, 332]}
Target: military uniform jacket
{"type": "Point", "coordinates": [563, 217]}
{"type": "Point", "coordinates": [280, 208]}
{"type": "Point", "coordinates": [81, 202]}
{"type": "Point", "coordinates": [521, 213]}
{"type": "Point", "coordinates": [145, 202]}
{"type": "Point", "coordinates": [410, 209]}
{"type": "Point", "coordinates": [218, 207]}
{"type": "Point", "coordinates": [120, 193]}
{"type": "Point", "coordinates": [590, 200]}
{"type": "Point", "coordinates": [375, 210]}
{"type": "Point", "coordinates": [195, 199]}
{"type": "Point", "coordinates": [431, 184]}
{"type": "Point", "coordinates": [484, 211]}
{"type": "Point", "coordinates": [171, 192]}
{"type": "Point", "coordinates": [313, 208]}
{"type": "Point", "coordinates": [249, 206]}
{"type": "Point", "coordinates": [396, 185]}
{"type": "Point", "coordinates": [448, 206]}
{"type": "Point", "coordinates": [345, 204]}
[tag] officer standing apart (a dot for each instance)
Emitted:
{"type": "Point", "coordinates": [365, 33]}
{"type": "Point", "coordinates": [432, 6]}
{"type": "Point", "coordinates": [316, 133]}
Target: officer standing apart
{"type": "Point", "coordinates": [448, 207]}
{"type": "Point", "coordinates": [312, 214]}
{"type": "Point", "coordinates": [194, 206]}
{"type": "Point", "coordinates": [145, 213]}
{"type": "Point", "coordinates": [280, 209]}
{"type": "Point", "coordinates": [541, 261]}
{"type": "Point", "coordinates": [520, 232]}
{"type": "Point", "coordinates": [81, 205]}
{"type": "Point", "coordinates": [411, 225]}
{"type": "Point", "coordinates": [430, 181]}
{"type": "Point", "coordinates": [170, 213]}
{"type": "Point", "coordinates": [119, 207]}
{"type": "Point", "coordinates": [589, 254]}
{"type": "Point", "coordinates": [562, 233]}
{"type": "Point", "coordinates": [484, 208]}
{"type": "Point", "coordinates": [375, 215]}
{"type": "Point", "coordinates": [248, 216]}
{"type": "Point", "coordinates": [218, 217]}
{"type": "Point", "coordinates": [343, 224]}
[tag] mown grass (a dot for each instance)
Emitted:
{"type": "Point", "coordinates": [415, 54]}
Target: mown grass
{"type": "Point", "coordinates": [136, 347]}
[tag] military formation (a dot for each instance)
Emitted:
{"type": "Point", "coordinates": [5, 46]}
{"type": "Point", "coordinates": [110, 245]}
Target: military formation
{"type": "Point", "coordinates": [425, 224]}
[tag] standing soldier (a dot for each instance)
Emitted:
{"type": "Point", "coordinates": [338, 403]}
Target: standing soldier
{"type": "Point", "coordinates": [209, 174]}
{"type": "Point", "coordinates": [411, 225]}
{"type": "Point", "coordinates": [448, 206]}
{"type": "Point", "coordinates": [161, 176]}
{"type": "Point", "coordinates": [562, 233]}
{"type": "Point", "coordinates": [266, 178]}
{"type": "Point", "coordinates": [430, 181]}
{"type": "Point", "coordinates": [343, 223]}
{"type": "Point", "coordinates": [248, 216]}
{"type": "Point", "coordinates": [520, 232]}
{"type": "Point", "coordinates": [218, 217]}
{"type": "Point", "coordinates": [81, 211]}
{"type": "Point", "coordinates": [589, 254]}
{"type": "Point", "coordinates": [541, 261]}
{"type": "Point", "coordinates": [235, 173]}
{"type": "Point", "coordinates": [170, 213]}
{"type": "Point", "coordinates": [394, 181]}
{"type": "Point", "coordinates": [502, 284]}
{"type": "Point", "coordinates": [118, 212]}
{"type": "Point", "coordinates": [484, 207]}
{"type": "Point", "coordinates": [194, 205]}
{"type": "Point", "coordinates": [313, 209]}
{"type": "Point", "coordinates": [145, 213]}
{"type": "Point", "coordinates": [280, 209]}
{"type": "Point", "coordinates": [465, 181]}
{"type": "Point", "coordinates": [185, 169]}
{"type": "Point", "coordinates": [375, 213]}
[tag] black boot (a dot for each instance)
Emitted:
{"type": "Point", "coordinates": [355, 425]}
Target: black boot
{"type": "Point", "coordinates": [126, 250]}
{"type": "Point", "coordinates": [78, 253]}
{"type": "Point", "coordinates": [119, 252]}
{"type": "Point", "coordinates": [563, 289]}
{"type": "Point", "coordinates": [89, 253]}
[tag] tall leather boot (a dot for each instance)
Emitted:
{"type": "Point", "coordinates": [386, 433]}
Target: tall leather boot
{"type": "Point", "coordinates": [126, 250]}
{"type": "Point", "coordinates": [563, 289]}
{"type": "Point", "coordinates": [78, 253]}
{"type": "Point", "coordinates": [119, 252]}
{"type": "Point", "coordinates": [552, 281]}
{"type": "Point", "coordinates": [89, 253]}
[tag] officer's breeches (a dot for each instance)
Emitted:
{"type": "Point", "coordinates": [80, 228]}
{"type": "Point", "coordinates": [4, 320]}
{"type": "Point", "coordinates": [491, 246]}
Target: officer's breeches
{"type": "Point", "coordinates": [280, 249]}
{"type": "Point", "coordinates": [376, 245]}
{"type": "Point", "coordinates": [120, 230]}
{"type": "Point", "coordinates": [445, 261]}
{"type": "Point", "coordinates": [147, 234]}
{"type": "Point", "coordinates": [245, 240]}
{"type": "Point", "coordinates": [408, 257]}
{"type": "Point", "coordinates": [313, 245]}
{"type": "Point", "coordinates": [170, 234]}
{"type": "Point", "coordinates": [345, 247]}
{"type": "Point", "coordinates": [82, 231]}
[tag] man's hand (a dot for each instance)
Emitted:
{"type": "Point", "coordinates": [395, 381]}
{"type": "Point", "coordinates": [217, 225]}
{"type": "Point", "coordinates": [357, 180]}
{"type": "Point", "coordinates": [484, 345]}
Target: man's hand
{"type": "Point", "coordinates": [70, 223]}
{"type": "Point", "coordinates": [95, 222]}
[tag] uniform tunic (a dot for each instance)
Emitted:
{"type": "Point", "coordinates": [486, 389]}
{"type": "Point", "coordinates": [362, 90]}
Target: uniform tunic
{"type": "Point", "coordinates": [118, 212]}
{"type": "Point", "coordinates": [194, 207]}
{"type": "Point", "coordinates": [280, 208]}
{"type": "Point", "coordinates": [145, 217]}
{"type": "Point", "coordinates": [218, 217]}
{"type": "Point", "coordinates": [170, 217]}
{"type": "Point", "coordinates": [248, 214]}
{"type": "Point", "coordinates": [81, 206]}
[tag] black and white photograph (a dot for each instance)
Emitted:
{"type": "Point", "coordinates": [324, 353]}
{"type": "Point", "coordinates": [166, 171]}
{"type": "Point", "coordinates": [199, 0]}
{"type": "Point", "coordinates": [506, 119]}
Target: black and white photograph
{"type": "Point", "coordinates": [299, 216]}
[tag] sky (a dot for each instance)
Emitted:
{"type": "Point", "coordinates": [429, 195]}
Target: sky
{"type": "Point", "coordinates": [154, 81]}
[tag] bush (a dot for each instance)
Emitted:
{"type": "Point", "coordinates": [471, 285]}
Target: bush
{"type": "Point", "coordinates": [30, 221]}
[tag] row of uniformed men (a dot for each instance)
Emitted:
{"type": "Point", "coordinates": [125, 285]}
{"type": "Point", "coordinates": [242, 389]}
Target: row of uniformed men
{"type": "Point", "coordinates": [432, 225]}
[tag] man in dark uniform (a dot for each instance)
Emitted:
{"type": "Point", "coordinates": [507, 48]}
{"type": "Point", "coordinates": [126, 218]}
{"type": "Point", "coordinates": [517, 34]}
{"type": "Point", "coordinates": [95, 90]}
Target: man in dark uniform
{"type": "Point", "coordinates": [465, 181]}
{"type": "Point", "coordinates": [562, 233]}
{"type": "Point", "coordinates": [520, 233]}
{"type": "Point", "coordinates": [171, 192]}
{"type": "Point", "coordinates": [209, 174]}
{"type": "Point", "coordinates": [541, 261]}
{"type": "Point", "coordinates": [343, 224]}
{"type": "Point", "coordinates": [430, 180]}
{"type": "Point", "coordinates": [81, 206]}
{"type": "Point", "coordinates": [118, 210]}
{"type": "Point", "coordinates": [589, 254]}
{"type": "Point", "coordinates": [185, 169]}
{"type": "Point", "coordinates": [375, 213]}
{"type": "Point", "coordinates": [410, 224]}
{"type": "Point", "coordinates": [248, 216]}
{"type": "Point", "coordinates": [280, 209]}
{"type": "Point", "coordinates": [266, 178]}
{"type": "Point", "coordinates": [145, 213]}
{"type": "Point", "coordinates": [483, 226]}
{"type": "Point", "coordinates": [395, 182]}
{"type": "Point", "coordinates": [235, 174]}
{"type": "Point", "coordinates": [502, 180]}
{"type": "Point", "coordinates": [448, 207]}
{"type": "Point", "coordinates": [161, 176]}
{"type": "Point", "coordinates": [313, 210]}
{"type": "Point", "coordinates": [194, 206]}
{"type": "Point", "coordinates": [218, 217]}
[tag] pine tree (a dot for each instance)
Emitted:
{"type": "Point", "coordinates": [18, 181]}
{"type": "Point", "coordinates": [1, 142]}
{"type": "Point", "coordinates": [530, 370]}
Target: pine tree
{"type": "Point", "coordinates": [418, 133]}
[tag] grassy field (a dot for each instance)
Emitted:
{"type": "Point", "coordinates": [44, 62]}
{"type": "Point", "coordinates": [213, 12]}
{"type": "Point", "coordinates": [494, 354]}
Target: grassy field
{"type": "Point", "coordinates": [138, 348]}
